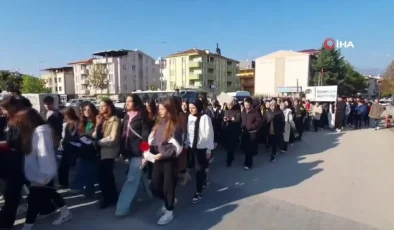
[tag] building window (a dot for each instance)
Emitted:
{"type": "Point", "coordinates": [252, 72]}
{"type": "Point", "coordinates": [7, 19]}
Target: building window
{"type": "Point", "coordinates": [55, 80]}
{"type": "Point", "coordinates": [59, 80]}
{"type": "Point", "coordinates": [153, 62]}
{"type": "Point", "coordinates": [125, 87]}
{"type": "Point", "coordinates": [133, 67]}
{"type": "Point", "coordinates": [110, 77]}
{"type": "Point", "coordinates": [60, 88]}
{"type": "Point", "coordinates": [124, 67]}
{"type": "Point", "coordinates": [56, 88]}
{"type": "Point", "coordinates": [125, 77]}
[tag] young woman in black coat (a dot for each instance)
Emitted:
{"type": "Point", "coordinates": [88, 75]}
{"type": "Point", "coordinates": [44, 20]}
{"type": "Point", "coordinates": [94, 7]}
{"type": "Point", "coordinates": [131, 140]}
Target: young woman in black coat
{"type": "Point", "coordinates": [231, 130]}
{"type": "Point", "coordinates": [251, 123]}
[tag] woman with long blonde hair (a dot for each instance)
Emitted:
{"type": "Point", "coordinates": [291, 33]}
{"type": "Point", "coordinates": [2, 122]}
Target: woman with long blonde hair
{"type": "Point", "coordinates": [166, 145]}
{"type": "Point", "coordinates": [40, 166]}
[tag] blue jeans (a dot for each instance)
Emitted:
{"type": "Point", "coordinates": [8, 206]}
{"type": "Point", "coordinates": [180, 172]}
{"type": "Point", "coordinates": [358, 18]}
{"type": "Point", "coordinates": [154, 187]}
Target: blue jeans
{"type": "Point", "coordinates": [135, 180]}
{"type": "Point", "coordinates": [85, 177]}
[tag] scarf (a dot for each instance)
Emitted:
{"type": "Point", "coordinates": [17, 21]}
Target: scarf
{"type": "Point", "coordinates": [196, 131]}
{"type": "Point", "coordinates": [131, 115]}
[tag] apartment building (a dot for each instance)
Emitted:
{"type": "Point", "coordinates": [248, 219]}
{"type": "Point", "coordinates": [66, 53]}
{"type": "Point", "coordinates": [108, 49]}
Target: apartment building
{"type": "Point", "coordinates": [195, 68]}
{"type": "Point", "coordinates": [246, 74]}
{"type": "Point", "coordinates": [125, 71]}
{"type": "Point", "coordinates": [372, 91]}
{"type": "Point", "coordinates": [282, 70]}
{"type": "Point", "coordinates": [81, 76]}
{"type": "Point", "coordinates": [60, 80]}
{"type": "Point", "coordinates": [163, 72]}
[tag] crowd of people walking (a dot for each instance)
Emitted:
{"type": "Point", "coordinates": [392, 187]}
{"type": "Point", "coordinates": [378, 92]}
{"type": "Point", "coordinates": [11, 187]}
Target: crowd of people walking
{"type": "Point", "coordinates": [181, 136]}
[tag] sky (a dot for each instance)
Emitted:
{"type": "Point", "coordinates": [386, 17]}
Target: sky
{"type": "Point", "coordinates": [37, 34]}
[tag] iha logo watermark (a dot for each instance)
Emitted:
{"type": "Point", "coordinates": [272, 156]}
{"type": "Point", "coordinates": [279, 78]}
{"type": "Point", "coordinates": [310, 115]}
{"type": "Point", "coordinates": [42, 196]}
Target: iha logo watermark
{"type": "Point", "coordinates": [331, 44]}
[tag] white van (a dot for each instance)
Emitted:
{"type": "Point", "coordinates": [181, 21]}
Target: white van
{"type": "Point", "coordinates": [240, 95]}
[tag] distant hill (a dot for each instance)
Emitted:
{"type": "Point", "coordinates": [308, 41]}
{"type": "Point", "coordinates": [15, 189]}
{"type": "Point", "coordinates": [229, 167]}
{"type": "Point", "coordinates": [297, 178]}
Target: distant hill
{"type": "Point", "coordinates": [370, 71]}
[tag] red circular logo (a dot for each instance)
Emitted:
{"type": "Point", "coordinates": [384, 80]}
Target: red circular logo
{"type": "Point", "coordinates": [329, 43]}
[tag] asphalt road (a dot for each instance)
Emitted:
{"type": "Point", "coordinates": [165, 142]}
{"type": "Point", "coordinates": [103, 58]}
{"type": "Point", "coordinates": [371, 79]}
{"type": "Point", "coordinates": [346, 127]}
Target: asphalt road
{"type": "Point", "coordinates": [328, 181]}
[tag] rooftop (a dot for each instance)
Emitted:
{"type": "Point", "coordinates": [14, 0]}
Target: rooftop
{"type": "Point", "coordinates": [82, 62]}
{"type": "Point", "coordinates": [112, 53]}
{"type": "Point", "coordinates": [310, 51]}
{"type": "Point", "coordinates": [64, 68]}
{"type": "Point", "coordinates": [195, 51]}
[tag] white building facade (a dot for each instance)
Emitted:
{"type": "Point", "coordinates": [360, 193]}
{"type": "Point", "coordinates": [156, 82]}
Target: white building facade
{"type": "Point", "coordinates": [372, 90]}
{"type": "Point", "coordinates": [126, 71]}
{"type": "Point", "coordinates": [60, 80]}
{"type": "Point", "coordinates": [282, 70]}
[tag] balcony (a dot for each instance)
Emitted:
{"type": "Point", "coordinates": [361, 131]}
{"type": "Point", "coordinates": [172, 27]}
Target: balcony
{"type": "Point", "coordinates": [194, 76]}
{"type": "Point", "coordinates": [85, 72]}
{"type": "Point", "coordinates": [195, 64]}
{"type": "Point", "coordinates": [211, 65]}
{"type": "Point", "coordinates": [211, 76]}
{"type": "Point", "coordinates": [102, 60]}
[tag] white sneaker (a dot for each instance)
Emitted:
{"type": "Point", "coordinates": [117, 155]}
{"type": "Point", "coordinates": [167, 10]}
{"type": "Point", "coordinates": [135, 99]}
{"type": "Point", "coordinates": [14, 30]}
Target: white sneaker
{"type": "Point", "coordinates": [166, 218]}
{"type": "Point", "coordinates": [246, 168]}
{"type": "Point", "coordinates": [163, 209]}
{"type": "Point", "coordinates": [62, 219]}
{"type": "Point", "coordinates": [27, 227]}
{"type": "Point", "coordinates": [377, 128]}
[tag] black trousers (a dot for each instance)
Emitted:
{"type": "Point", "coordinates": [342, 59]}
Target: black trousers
{"type": "Point", "coordinates": [274, 141]}
{"type": "Point", "coordinates": [38, 196]}
{"type": "Point", "coordinates": [358, 121]}
{"type": "Point", "coordinates": [164, 179]}
{"type": "Point", "coordinates": [298, 121]}
{"type": "Point", "coordinates": [366, 120]}
{"type": "Point", "coordinates": [201, 165]}
{"type": "Point", "coordinates": [107, 181]}
{"type": "Point", "coordinates": [12, 197]}
{"type": "Point", "coordinates": [316, 125]}
{"type": "Point", "coordinates": [250, 147]}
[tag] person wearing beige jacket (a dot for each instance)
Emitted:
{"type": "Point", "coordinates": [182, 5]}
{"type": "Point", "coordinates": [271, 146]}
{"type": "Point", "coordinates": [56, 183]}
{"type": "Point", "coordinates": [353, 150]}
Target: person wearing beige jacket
{"type": "Point", "coordinates": [107, 134]}
{"type": "Point", "coordinates": [317, 110]}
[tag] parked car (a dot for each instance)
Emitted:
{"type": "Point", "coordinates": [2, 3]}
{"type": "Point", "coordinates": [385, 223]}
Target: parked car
{"type": "Point", "coordinates": [73, 102]}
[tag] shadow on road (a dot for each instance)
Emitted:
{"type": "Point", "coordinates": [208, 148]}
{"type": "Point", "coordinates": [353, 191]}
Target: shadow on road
{"type": "Point", "coordinates": [228, 187]}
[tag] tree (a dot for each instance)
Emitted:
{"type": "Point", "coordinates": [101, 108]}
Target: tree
{"type": "Point", "coordinates": [389, 73]}
{"type": "Point", "coordinates": [98, 78]}
{"type": "Point", "coordinates": [328, 68]}
{"type": "Point", "coordinates": [354, 82]}
{"type": "Point", "coordinates": [386, 85]}
{"type": "Point", "coordinates": [32, 84]}
{"type": "Point", "coordinates": [331, 68]}
{"type": "Point", "coordinates": [10, 80]}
